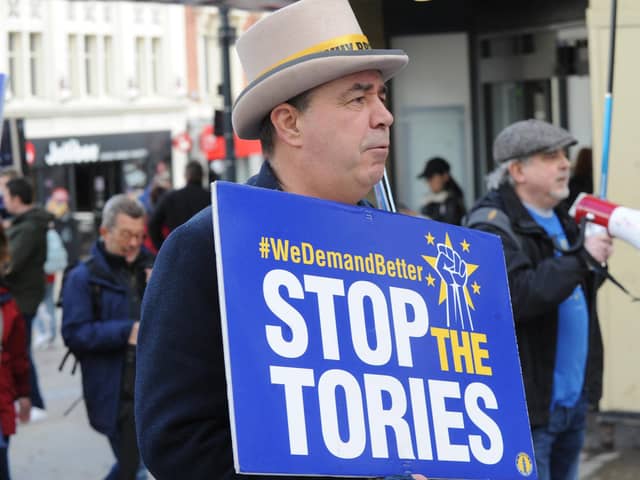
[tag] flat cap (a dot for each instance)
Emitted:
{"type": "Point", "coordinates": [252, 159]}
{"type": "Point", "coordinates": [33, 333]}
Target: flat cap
{"type": "Point", "coordinates": [528, 137]}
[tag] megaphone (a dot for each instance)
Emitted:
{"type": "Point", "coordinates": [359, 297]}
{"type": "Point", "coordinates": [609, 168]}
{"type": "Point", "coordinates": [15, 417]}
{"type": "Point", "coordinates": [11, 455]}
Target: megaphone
{"type": "Point", "coordinates": [620, 222]}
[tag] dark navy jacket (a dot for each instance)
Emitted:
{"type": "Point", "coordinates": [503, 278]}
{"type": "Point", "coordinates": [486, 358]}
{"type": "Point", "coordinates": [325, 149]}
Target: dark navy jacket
{"type": "Point", "coordinates": [99, 343]}
{"type": "Point", "coordinates": [182, 415]}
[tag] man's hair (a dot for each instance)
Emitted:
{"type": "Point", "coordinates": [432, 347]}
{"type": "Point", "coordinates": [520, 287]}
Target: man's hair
{"type": "Point", "coordinates": [193, 172]}
{"type": "Point", "coordinates": [21, 188]}
{"type": "Point", "coordinates": [500, 174]}
{"type": "Point", "coordinates": [268, 133]}
{"type": "Point", "coordinates": [120, 203]}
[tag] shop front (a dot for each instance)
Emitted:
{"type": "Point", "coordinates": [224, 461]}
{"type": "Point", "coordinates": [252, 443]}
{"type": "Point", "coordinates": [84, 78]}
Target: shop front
{"type": "Point", "coordinates": [95, 167]}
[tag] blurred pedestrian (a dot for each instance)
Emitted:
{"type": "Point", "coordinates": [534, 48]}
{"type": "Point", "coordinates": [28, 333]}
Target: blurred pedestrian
{"type": "Point", "coordinates": [100, 314]}
{"type": "Point", "coordinates": [582, 176]}
{"type": "Point", "coordinates": [6, 174]}
{"type": "Point", "coordinates": [178, 206]}
{"type": "Point", "coordinates": [55, 264]}
{"type": "Point", "coordinates": [25, 277]}
{"type": "Point", "coordinates": [445, 203]}
{"type": "Point", "coordinates": [14, 364]}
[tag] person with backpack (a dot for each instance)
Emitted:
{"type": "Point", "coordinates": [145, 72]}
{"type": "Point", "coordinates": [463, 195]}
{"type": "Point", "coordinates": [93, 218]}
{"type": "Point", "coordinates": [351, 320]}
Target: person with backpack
{"type": "Point", "coordinates": [554, 275]}
{"type": "Point", "coordinates": [101, 300]}
{"type": "Point", "coordinates": [14, 364]}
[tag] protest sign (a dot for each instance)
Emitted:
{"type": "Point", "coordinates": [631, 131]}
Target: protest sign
{"type": "Point", "coordinates": [365, 343]}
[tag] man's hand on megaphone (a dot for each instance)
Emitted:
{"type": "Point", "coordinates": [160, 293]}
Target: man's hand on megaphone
{"type": "Point", "coordinates": [600, 247]}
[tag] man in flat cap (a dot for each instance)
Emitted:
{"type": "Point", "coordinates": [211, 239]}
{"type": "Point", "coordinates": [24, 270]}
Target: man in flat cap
{"type": "Point", "coordinates": [316, 100]}
{"type": "Point", "coordinates": [553, 288]}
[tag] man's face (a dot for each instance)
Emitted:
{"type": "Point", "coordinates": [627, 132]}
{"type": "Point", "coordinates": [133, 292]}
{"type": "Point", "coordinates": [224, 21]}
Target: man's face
{"type": "Point", "coordinates": [10, 202]}
{"type": "Point", "coordinates": [345, 135]}
{"type": "Point", "coordinates": [543, 180]}
{"type": "Point", "coordinates": [125, 238]}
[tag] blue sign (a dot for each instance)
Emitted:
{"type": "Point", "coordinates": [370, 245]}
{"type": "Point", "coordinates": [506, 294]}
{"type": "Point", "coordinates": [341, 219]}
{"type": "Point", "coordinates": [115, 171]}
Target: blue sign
{"type": "Point", "coordinates": [3, 82]}
{"type": "Point", "coordinates": [365, 343]}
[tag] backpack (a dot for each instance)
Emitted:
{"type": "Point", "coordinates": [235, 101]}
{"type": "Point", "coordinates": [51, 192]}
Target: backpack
{"type": "Point", "coordinates": [56, 253]}
{"type": "Point", "coordinates": [96, 307]}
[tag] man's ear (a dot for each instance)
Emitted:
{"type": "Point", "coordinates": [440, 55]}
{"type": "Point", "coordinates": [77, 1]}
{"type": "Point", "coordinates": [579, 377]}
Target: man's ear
{"type": "Point", "coordinates": [515, 170]}
{"type": "Point", "coordinates": [284, 118]}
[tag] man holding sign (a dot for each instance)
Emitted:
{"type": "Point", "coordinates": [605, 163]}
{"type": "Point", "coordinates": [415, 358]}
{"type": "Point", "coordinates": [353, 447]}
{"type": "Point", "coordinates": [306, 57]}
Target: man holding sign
{"type": "Point", "coordinates": [316, 100]}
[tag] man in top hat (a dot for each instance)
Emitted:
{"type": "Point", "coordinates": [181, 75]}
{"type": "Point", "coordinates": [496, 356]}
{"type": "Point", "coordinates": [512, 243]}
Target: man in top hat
{"type": "Point", "coordinates": [553, 288]}
{"type": "Point", "coordinates": [316, 100]}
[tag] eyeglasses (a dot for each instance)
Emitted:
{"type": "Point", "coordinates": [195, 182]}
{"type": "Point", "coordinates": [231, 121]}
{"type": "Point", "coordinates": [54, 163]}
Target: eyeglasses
{"type": "Point", "coordinates": [128, 235]}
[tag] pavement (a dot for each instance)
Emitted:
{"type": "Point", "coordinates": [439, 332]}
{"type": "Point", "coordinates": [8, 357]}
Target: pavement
{"type": "Point", "coordinates": [65, 446]}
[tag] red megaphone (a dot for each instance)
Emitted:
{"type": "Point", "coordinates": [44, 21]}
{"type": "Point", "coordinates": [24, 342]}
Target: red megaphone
{"type": "Point", "coordinates": [620, 222]}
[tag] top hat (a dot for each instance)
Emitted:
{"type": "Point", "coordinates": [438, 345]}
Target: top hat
{"type": "Point", "coordinates": [297, 48]}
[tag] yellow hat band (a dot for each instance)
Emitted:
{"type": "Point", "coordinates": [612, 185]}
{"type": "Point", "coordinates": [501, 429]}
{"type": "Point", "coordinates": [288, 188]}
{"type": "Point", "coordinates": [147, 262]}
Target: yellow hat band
{"type": "Point", "coordinates": [353, 42]}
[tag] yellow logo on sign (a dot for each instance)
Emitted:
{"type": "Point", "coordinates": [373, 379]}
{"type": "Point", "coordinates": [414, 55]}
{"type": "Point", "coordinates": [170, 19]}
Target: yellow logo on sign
{"type": "Point", "coordinates": [524, 464]}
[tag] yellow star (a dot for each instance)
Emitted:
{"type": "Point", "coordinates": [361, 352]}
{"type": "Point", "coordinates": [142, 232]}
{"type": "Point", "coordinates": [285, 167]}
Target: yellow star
{"type": "Point", "coordinates": [431, 281]}
{"type": "Point", "coordinates": [430, 239]}
{"type": "Point", "coordinates": [476, 288]}
{"type": "Point", "coordinates": [465, 245]}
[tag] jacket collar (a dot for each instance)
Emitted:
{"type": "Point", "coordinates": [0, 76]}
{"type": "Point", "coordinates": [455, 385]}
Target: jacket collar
{"type": "Point", "coordinates": [266, 178]}
{"type": "Point", "coordinates": [522, 219]}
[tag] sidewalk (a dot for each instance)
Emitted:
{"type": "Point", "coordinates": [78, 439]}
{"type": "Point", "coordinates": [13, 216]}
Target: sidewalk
{"type": "Point", "coordinates": [59, 446]}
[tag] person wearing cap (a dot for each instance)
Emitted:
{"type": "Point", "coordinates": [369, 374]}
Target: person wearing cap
{"type": "Point", "coordinates": [445, 203]}
{"type": "Point", "coordinates": [316, 100]}
{"type": "Point", "coordinates": [553, 287]}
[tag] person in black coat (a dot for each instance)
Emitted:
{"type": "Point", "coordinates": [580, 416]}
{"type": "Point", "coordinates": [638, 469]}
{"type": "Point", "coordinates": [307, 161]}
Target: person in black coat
{"type": "Point", "coordinates": [178, 206]}
{"type": "Point", "coordinates": [446, 201]}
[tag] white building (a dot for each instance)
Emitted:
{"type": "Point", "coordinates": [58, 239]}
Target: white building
{"type": "Point", "coordinates": [104, 89]}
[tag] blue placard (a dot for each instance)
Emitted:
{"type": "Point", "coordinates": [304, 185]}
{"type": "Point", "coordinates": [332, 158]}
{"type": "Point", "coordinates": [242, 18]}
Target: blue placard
{"type": "Point", "coordinates": [365, 343]}
{"type": "Point", "coordinates": [3, 83]}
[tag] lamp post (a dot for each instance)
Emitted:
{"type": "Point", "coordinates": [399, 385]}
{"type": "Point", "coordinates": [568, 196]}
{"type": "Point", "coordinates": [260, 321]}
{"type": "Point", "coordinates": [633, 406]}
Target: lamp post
{"type": "Point", "coordinates": [226, 34]}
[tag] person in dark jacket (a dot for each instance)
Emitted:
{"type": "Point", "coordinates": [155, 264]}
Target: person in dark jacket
{"type": "Point", "coordinates": [446, 200]}
{"type": "Point", "coordinates": [26, 279]}
{"type": "Point", "coordinates": [176, 207]}
{"type": "Point", "coordinates": [14, 365]}
{"type": "Point", "coordinates": [101, 311]}
{"type": "Point", "coordinates": [553, 288]}
{"type": "Point", "coordinates": [582, 177]}
{"type": "Point", "coordinates": [182, 412]}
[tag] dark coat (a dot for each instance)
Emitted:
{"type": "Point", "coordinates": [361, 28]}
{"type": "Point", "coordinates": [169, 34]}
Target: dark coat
{"type": "Point", "coordinates": [14, 366]}
{"type": "Point", "coordinates": [182, 414]}
{"type": "Point", "coordinates": [175, 208]}
{"type": "Point", "coordinates": [539, 281]}
{"type": "Point", "coordinates": [28, 249]}
{"type": "Point", "coordinates": [446, 206]}
{"type": "Point", "coordinates": [100, 343]}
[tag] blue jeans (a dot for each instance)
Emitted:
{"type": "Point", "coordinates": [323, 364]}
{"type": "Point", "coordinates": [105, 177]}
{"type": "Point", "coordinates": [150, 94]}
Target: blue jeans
{"type": "Point", "coordinates": [4, 457]}
{"type": "Point", "coordinates": [36, 397]}
{"type": "Point", "coordinates": [114, 473]}
{"type": "Point", "coordinates": [50, 308]}
{"type": "Point", "coordinates": [557, 445]}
